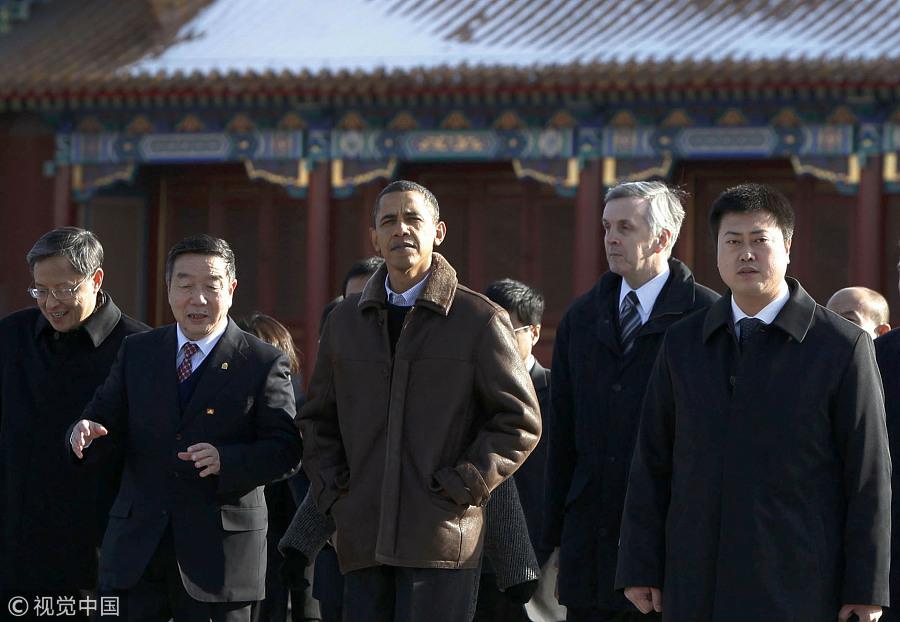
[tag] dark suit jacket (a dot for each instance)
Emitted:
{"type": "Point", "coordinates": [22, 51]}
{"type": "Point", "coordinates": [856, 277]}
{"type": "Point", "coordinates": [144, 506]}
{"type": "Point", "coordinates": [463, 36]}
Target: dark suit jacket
{"type": "Point", "coordinates": [52, 515]}
{"type": "Point", "coordinates": [532, 474]}
{"type": "Point", "coordinates": [760, 487]}
{"type": "Point", "coordinates": [887, 350]}
{"type": "Point", "coordinates": [597, 394]}
{"type": "Point", "coordinates": [244, 406]}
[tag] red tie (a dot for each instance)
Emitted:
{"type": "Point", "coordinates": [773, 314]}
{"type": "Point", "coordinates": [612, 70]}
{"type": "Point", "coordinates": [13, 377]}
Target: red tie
{"type": "Point", "coordinates": [184, 370]}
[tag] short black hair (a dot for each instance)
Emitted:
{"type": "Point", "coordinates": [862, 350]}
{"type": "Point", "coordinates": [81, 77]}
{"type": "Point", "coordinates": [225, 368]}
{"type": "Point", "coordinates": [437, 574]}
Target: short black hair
{"type": "Point", "coordinates": [202, 244]}
{"type": "Point", "coordinates": [79, 246]}
{"type": "Point", "coordinates": [748, 198]}
{"type": "Point", "coordinates": [517, 297]}
{"type": "Point", "coordinates": [363, 267]}
{"type": "Point", "coordinates": [404, 185]}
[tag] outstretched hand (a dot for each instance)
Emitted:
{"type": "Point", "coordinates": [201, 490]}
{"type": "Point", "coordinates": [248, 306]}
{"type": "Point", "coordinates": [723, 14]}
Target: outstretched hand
{"type": "Point", "coordinates": [83, 434]}
{"type": "Point", "coordinates": [863, 613]}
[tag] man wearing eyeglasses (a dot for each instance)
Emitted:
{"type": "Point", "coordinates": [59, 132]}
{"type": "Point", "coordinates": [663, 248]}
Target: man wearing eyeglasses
{"type": "Point", "coordinates": [605, 348]}
{"type": "Point", "coordinates": [525, 306]}
{"type": "Point", "coordinates": [52, 359]}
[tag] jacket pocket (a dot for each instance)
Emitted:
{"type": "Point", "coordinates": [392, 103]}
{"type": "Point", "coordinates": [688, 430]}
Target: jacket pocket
{"type": "Point", "coordinates": [445, 503]}
{"type": "Point", "coordinates": [244, 519]}
{"type": "Point", "coordinates": [121, 508]}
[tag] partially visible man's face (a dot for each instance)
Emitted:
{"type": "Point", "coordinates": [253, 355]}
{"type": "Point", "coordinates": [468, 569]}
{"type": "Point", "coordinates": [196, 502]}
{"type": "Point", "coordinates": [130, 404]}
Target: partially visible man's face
{"type": "Point", "coordinates": [200, 294]}
{"type": "Point", "coordinates": [853, 305]}
{"type": "Point", "coordinates": [631, 250]}
{"type": "Point", "coordinates": [405, 233]}
{"type": "Point", "coordinates": [527, 335]}
{"type": "Point", "coordinates": [752, 257]}
{"type": "Point", "coordinates": [58, 273]}
{"type": "Point", "coordinates": [356, 284]}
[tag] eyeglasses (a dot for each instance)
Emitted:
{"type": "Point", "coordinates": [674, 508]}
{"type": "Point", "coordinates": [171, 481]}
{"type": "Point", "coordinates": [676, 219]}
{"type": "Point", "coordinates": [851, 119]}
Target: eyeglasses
{"type": "Point", "coordinates": [526, 327]}
{"type": "Point", "coordinates": [60, 293]}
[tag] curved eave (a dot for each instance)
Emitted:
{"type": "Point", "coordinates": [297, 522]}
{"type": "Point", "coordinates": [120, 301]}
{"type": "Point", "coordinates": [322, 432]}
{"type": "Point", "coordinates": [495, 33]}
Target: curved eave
{"type": "Point", "coordinates": [653, 80]}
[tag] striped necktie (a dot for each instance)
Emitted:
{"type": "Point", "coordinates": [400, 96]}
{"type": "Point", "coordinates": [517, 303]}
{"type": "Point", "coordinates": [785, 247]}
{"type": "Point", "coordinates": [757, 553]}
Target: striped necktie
{"type": "Point", "coordinates": [629, 321]}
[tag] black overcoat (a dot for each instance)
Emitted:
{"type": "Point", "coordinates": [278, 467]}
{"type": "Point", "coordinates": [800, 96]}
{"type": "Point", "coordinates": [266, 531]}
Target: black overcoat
{"type": "Point", "coordinates": [596, 395]}
{"type": "Point", "coordinates": [887, 351]}
{"type": "Point", "coordinates": [760, 487]}
{"type": "Point", "coordinates": [52, 516]}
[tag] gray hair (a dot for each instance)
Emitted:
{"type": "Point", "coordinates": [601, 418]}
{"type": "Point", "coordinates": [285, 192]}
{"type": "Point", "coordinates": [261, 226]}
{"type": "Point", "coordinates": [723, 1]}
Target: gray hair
{"type": "Point", "coordinates": [80, 247]}
{"type": "Point", "coordinates": [664, 210]}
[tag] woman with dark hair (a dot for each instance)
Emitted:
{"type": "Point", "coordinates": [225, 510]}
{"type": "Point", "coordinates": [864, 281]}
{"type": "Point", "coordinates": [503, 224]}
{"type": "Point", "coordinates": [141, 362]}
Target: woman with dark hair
{"type": "Point", "coordinates": [275, 333]}
{"type": "Point", "coordinates": [282, 498]}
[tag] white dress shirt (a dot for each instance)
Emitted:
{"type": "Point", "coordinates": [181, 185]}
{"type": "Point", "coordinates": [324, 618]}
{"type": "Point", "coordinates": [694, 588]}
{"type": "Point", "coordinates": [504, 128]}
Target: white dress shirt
{"type": "Point", "coordinates": [767, 314]}
{"type": "Point", "coordinates": [646, 293]}
{"type": "Point", "coordinates": [206, 345]}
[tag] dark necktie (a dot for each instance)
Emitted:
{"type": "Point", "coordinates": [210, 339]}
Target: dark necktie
{"type": "Point", "coordinates": [749, 326]}
{"type": "Point", "coordinates": [184, 370]}
{"type": "Point", "coordinates": [629, 321]}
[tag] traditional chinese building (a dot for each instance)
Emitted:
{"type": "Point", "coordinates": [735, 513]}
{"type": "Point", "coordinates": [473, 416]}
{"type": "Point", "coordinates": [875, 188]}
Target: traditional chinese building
{"type": "Point", "coordinates": [275, 123]}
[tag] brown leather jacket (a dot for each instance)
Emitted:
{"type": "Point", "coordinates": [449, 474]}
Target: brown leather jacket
{"type": "Point", "coordinates": [454, 411]}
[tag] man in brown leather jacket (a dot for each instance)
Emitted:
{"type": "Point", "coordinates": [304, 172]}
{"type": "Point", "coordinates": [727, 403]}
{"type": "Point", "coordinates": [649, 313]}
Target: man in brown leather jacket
{"type": "Point", "coordinates": [419, 406]}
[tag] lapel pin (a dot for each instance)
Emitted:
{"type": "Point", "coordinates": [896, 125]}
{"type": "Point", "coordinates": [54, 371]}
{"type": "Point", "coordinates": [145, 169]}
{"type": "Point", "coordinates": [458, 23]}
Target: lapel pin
{"type": "Point", "coordinates": [224, 365]}
{"type": "Point", "coordinates": [210, 411]}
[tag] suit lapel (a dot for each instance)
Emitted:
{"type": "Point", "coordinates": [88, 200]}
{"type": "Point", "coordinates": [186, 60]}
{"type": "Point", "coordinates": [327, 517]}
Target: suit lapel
{"type": "Point", "coordinates": [607, 308]}
{"type": "Point", "coordinates": [538, 377]}
{"type": "Point", "coordinates": [165, 389]}
{"type": "Point", "coordinates": [222, 363]}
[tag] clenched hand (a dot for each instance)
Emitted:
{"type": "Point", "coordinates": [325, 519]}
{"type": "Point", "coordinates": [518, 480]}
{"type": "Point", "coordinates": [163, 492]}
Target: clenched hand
{"type": "Point", "coordinates": [646, 599]}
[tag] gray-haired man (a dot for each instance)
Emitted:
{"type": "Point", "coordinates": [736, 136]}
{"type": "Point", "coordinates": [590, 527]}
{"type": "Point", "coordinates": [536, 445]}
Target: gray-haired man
{"type": "Point", "coordinates": [605, 348]}
{"type": "Point", "coordinates": [53, 358]}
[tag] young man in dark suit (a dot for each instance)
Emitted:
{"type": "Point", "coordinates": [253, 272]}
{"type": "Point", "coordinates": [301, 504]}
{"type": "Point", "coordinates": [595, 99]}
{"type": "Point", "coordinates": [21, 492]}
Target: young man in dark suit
{"type": "Point", "coordinates": [760, 487]}
{"type": "Point", "coordinates": [605, 348]}
{"type": "Point", "coordinates": [525, 306]}
{"type": "Point", "coordinates": [204, 413]}
{"type": "Point", "coordinates": [54, 356]}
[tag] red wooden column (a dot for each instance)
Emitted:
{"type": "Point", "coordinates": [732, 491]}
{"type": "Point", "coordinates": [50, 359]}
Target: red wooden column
{"type": "Point", "coordinates": [63, 212]}
{"type": "Point", "coordinates": [367, 218]}
{"type": "Point", "coordinates": [588, 252]}
{"type": "Point", "coordinates": [268, 232]}
{"type": "Point", "coordinates": [318, 261]}
{"type": "Point", "coordinates": [803, 245]}
{"type": "Point", "coordinates": [868, 228]}
{"type": "Point", "coordinates": [530, 232]}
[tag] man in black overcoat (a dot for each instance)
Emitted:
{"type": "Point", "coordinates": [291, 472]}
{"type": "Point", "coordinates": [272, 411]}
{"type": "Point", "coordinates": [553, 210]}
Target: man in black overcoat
{"type": "Point", "coordinates": [204, 413]}
{"type": "Point", "coordinates": [605, 347]}
{"type": "Point", "coordinates": [53, 357]}
{"type": "Point", "coordinates": [887, 351]}
{"type": "Point", "coordinates": [760, 486]}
